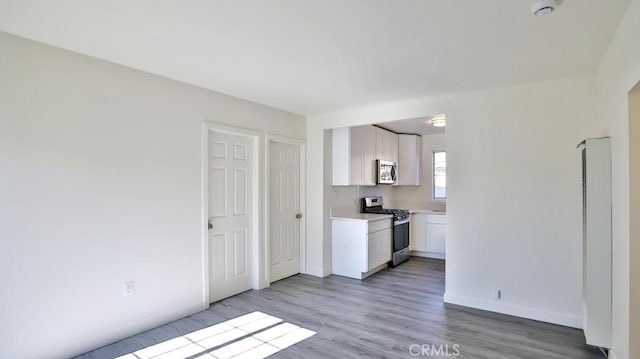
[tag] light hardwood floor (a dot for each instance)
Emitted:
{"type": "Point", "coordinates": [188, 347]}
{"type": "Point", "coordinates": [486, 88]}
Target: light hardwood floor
{"type": "Point", "coordinates": [379, 317]}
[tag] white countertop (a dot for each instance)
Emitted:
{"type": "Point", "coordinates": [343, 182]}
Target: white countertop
{"type": "Point", "coordinates": [428, 211]}
{"type": "Point", "coordinates": [354, 216]}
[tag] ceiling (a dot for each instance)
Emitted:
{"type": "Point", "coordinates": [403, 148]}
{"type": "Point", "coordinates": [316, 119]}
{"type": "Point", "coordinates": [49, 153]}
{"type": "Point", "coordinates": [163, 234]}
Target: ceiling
{"type": "Point", "coordinates": [417, 126]}
{"type": "Point", "coordinates": [315, 56]}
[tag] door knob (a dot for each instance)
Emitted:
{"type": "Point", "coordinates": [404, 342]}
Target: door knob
{"type": "Point", "coordinates": [298, 215]}
{"type": "Point", "coordinates": [210, 225]}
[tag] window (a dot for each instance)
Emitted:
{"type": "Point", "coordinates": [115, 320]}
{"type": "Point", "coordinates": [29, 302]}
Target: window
{"type": "Point", "coordinates": [440, 175]}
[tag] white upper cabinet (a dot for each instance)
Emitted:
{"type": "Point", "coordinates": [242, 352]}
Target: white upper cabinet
{"type": "Point", "coordinates": [409, 159]}
{"type": "Point", "coordinates": [369, 156]}
{"type": "Point", "coordinates": [355, 151]}
{"type": "Point", "coordinates": [354, 156]}
{"type": "Point", "coordinates": [393, 146]}
{"type": "Point", "coordinates": [381, 145]}
{"type": "Point", "coordinates": [386, 145]}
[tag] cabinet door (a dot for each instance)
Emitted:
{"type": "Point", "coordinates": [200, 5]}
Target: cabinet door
{"type": "Point", "coordinates": [436, 237]}
{"type": "Point", "coordinates": [409, 158]}
{"type": "Point", "coordinates": [355, 162]}
{"type": "Point", "coordinates": [369, 156]}
{"type": "Point", "coordinates": [381, 144]}
{"type": "Point", "coordinates": [379, 251]}
{"type": "Point", "coordinates": [418, 228]}
{"type": "Point", "coordinates": [386, 145]}
{"type": "Point", "coordinates": [349, 248]}
{"type": "Point", "coordinates": [393, 146]}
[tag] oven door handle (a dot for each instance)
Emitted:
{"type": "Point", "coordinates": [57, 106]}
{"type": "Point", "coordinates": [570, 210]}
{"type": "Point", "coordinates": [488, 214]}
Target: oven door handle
{"type": "Point", "coordinates": [397, 223]}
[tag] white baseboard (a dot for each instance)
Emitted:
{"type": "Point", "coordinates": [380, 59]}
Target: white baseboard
{"type": "Point", "coordinates": [263, 284]}
{"type": "Point", "coordinates": [612, 355]}
{"type": "Point", "coordinates": [428, 255]}
{"type": "Point", "coordinates": [515, 310]}
{"type": "Point", "coordinates": [89, 344]}
{"type": "Point", "coordinates": [319, 272]}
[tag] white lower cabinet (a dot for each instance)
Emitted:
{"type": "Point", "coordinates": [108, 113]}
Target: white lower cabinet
{"type": "Point", "coordinates": [418, 235]}
{"type": "Point", "coordinates": [360, 248]}
{"type": "Point", "coordinates": [428, 235]}
{"type": "Point", "coordinates": [379, 251]}
{"type": "Point", "coordinates": [436, 233]}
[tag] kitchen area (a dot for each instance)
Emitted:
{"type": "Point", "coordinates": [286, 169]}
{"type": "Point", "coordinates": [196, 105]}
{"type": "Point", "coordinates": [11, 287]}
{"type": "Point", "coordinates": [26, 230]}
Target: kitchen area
{"type": "Point", "coordinates": [388, 194]}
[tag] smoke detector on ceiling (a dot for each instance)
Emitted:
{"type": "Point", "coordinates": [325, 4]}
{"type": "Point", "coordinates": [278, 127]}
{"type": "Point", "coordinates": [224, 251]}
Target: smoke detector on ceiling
{"type": "Point", "coordinates": [542, 8]}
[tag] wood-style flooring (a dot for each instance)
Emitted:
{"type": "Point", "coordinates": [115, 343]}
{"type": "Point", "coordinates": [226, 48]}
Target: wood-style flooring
{"type": "Point", "coordinates": [383, 316]}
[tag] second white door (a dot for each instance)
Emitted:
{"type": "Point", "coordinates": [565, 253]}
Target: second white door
{"type": "Point", "coordinates": [284, 210]}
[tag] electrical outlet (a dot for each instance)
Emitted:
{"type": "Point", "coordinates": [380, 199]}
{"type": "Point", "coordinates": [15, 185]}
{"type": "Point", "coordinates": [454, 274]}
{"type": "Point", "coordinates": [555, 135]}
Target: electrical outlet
{"type": "Point", "coordinates": [127, 288]}
{"type": "Point", "coordinates": [496, 293]}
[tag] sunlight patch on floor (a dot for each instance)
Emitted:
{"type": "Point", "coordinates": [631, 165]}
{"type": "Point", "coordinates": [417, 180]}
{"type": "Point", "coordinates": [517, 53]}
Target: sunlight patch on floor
{"type": "Point", "coordinates": [251, 336]}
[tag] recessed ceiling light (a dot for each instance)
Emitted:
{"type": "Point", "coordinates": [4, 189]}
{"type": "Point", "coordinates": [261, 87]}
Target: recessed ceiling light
{"type": "Point", "coordinates": [542, 8]}
{"type": "Point", "coordinates": [438, 121]}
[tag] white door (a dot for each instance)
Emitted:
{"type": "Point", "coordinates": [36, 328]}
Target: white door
{"type": "Point", "coordinates": [230, 214]}
{"type": "Point", "coordinates": [284, 209]}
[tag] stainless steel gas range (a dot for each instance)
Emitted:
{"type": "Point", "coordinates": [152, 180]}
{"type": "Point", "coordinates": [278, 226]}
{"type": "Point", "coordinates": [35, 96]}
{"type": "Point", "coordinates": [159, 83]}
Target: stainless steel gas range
{"type": "Point", "coordinates": [400, 240]}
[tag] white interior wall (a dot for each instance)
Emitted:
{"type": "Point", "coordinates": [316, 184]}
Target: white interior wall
{"type": "Point", "coordinates": [514, 192]}
{"type": "Point", "coordinates": [100, 183]}
{"type": "Point", "coordinates": [421, 197]}
{"type": "Point", "coordinates": [618, 73]}
{"type": "Point", "coordinates": [514, 196]}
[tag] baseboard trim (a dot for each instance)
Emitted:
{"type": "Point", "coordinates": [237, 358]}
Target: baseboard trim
{"type": "Point", "coordinates": [263, 284]}
{"type": "Point", "coordinates": [122, 333]}
{"type": "Point", "coordinates": [319, 272]}
{"type": "Point", "coordinates": [515, 310]}
{"type": "Point", "coordinates": [433, 255]}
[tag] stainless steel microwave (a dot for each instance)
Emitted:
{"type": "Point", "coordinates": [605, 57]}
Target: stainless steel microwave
{"type": "Point", "coordinates": [387, 172]}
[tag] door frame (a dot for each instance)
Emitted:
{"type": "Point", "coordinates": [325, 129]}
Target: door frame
{"type": "Point", "coordinates": [257, 186]}
{"type": "Point", "coordinates": [269, 138]}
